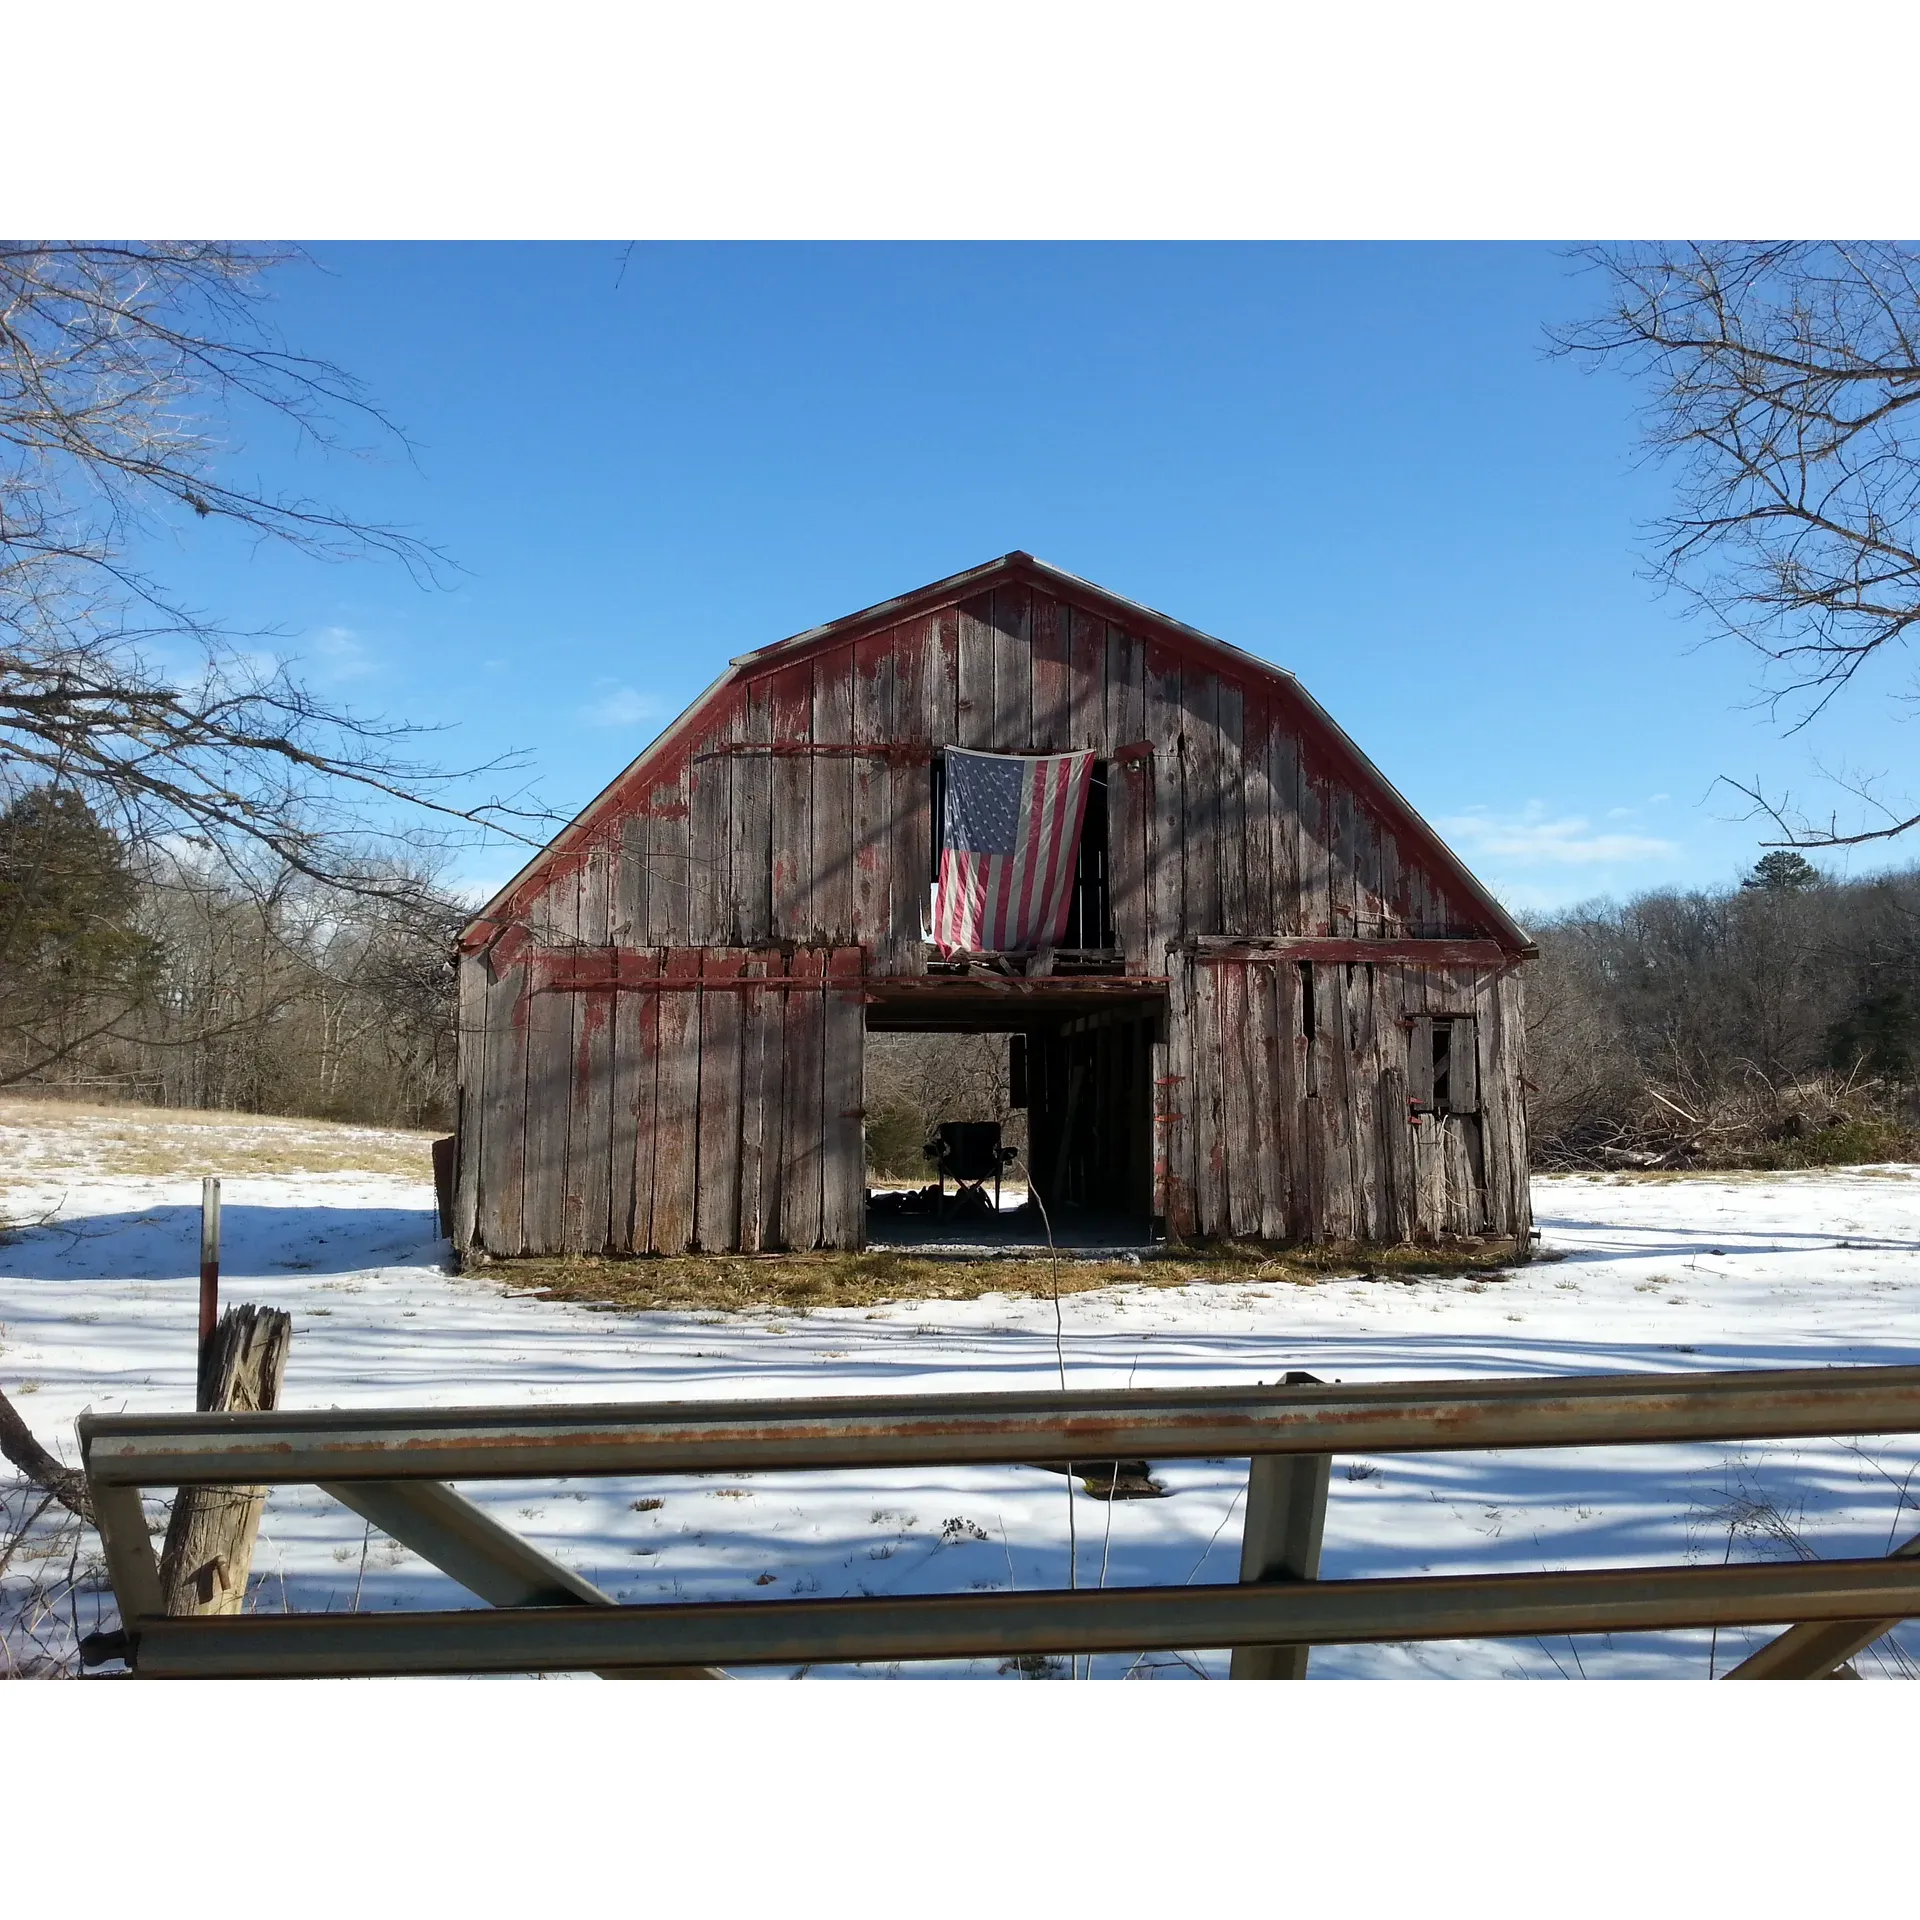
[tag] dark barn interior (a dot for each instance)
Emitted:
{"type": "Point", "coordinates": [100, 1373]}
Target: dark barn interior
{"type": "Point", "coordinates": [1079, 1064]}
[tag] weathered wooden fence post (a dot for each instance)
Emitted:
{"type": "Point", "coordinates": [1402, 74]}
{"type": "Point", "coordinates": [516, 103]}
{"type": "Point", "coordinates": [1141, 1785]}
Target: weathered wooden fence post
{"type": "Point", "coordinates": [209, 1547]}
{"type": "Point", "coordinates": [1286, 1517]}
{"type": "Point", "coordinates": [209, 1283]}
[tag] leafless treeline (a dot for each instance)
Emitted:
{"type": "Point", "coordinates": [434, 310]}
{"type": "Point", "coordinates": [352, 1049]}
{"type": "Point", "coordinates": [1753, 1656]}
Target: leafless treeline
{"type": "Point", "coordinates": [1760, 1025]}
{"type": "Point", "coordinates": [272, 997]}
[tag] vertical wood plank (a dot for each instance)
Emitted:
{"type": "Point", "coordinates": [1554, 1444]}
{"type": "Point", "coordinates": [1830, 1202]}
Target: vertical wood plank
{"type": "Point", "coordinates": [1256, 809]}
{"type": "Point", "coordinates": [471, 1111]}
{"type": "Point", "coordinates": [590, 1116]}
{"type": "Point", "coordinates": [636, 1051]}
{"type": "Point", "coordinates": [1283, 782]}
{"type": "Point", "coordinates": [942, 682]}
{"type": "Point", "coordinates": [670, 883]}
{"type": "Point", "coordinates": [1395, 1223]}
{"type": "Point", "coordinates": [1241, 1092]}
{"type": "Point", "coordinates": [709, 776]}
{"type": "Point", "coordinates": [1501, 1038]}
{"type": "Point", "coordinates": [716, 1211]}
{"type": "Point", "coordinates": [832, 919]}
{"type": "Point", "coordinates": [843, 1173]}
{"type": "Point", "coordinates": [1166, 828]}
{"type": "Point", "coordinates": [1280, 1113]}
{"type": "Point", "coordinates": [1420, 1059]}
{"type": "Point", "coordinates": [1129, 789]}
{"type": "Point", "coordinates": [676, 1134]}
{"type": "Point", "coordinates": [753, 1103]}
{"type": "Point", "coordinates": [1125, 721]}
{"type": "Point", "coordinates": [1231, 814]}
{"type": "Point", "coordinates": [874, 799]}
{"type": "Point", "coordinates": [587, 1227]}
{"type": "Point", "coordinates": [1393, 919]}
{"type": "Point", "coordinates": [1205, 1121]}
{"type": "Point", "coordinates": [973, 702]}
{"type": "Point", "coordinates": [1316, 874]}
{"type": "Point", "coordinates": [800, 1168]}
{"type": "Point", "coordinates": [910, 868]}
{"type": "Point", "coordinates": [749, 822]}
{"type": "Point", "coordinates": [596, 889]}
{"type": "Point", "coordinates": [627, 926]}
{"type": "Point", "coordinates": [501, 1215]}
{"type": "Point", "coordinates": [790, 711]}
{"type": "Point", "coordinates": [1175, 1098]}
{"type": "Point", "coordinates": [1085, 676]}
{"type": "Point", "coordinates": [1052, 674]}
{"type": "Point", "coordinates": [549, 1107]}
{"type": "Point", "coordinates": [1201, 825]}
{"type": "Point", "coordinates": [772, 1011]}
{"type": "Point", "coordinates": [1012, 669]}
{"type": "Point", "coordinates": [1332, 1106]}
{"type": "Point", "coordinates": [1370, 1201]}
{"type": "Point", "coordinates": [1343, 864]}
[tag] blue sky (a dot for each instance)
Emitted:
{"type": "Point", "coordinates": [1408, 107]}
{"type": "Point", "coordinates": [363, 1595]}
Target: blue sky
{"type": "Point", "coordinates": [1354, 460]}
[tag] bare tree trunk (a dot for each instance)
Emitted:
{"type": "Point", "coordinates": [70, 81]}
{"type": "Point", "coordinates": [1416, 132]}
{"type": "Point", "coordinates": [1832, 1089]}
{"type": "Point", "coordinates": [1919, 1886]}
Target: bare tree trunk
{"type": "Point", "coordinates": [209, 1547]}
{"type": "Point", "coordinates": [67, 1484]}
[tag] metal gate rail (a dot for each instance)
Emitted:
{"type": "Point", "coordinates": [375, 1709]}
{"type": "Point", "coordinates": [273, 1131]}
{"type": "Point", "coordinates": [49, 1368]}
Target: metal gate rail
{"type": "Point", "coordinates": [388, 1466]}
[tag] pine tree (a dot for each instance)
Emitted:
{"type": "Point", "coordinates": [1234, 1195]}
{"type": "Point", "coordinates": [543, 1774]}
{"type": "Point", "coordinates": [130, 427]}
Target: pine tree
{"type": "Point", "coordinates": [1782, 871]}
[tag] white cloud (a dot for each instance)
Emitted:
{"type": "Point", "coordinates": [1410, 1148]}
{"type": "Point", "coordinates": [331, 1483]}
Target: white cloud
{"type": "Point", "coordinates": [621, 707]}
{"type": "Point", "coordinates": [1531, 838]}
{"type": "Point", "coordinates": [342, 655]}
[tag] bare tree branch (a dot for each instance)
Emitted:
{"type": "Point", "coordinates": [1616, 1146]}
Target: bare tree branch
{"type": "Point", "coordinates": [67, 1484]}
{"type": "Point", "coordinates": [127, 370]}
{"type": "Point", "coordinates": [1782, 382]}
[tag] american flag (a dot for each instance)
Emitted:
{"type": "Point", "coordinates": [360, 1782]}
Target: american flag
{"type": "Point", "coordinates": [1008, 844]}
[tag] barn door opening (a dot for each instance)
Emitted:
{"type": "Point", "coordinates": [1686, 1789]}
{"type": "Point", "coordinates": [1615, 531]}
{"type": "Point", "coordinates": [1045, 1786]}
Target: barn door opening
{"type": "Point", "coordinates": [1067, 1098]}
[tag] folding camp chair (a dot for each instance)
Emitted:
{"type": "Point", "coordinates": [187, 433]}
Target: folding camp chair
{"type": "Point", "coordinates": [969, 1153]}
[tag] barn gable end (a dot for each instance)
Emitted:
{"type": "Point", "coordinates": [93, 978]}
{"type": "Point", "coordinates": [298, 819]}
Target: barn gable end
{"type": "Point", "coordinates": [668, 1004]}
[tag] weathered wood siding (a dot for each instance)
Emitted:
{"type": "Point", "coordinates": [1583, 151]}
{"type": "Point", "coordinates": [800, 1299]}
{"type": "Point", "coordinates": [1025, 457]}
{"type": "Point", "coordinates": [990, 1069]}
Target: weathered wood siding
{"type": "Point", "coordinates": [706, 1099]}
{"type": "Point", "coordinates": [782, 833]}
{"type": "Point", "coordinates": [1286, 1112]}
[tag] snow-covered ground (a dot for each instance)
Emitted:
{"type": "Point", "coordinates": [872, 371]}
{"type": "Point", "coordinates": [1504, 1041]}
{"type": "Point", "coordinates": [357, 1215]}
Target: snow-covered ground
{"type": "Point", "coordinates": [97, 1310]}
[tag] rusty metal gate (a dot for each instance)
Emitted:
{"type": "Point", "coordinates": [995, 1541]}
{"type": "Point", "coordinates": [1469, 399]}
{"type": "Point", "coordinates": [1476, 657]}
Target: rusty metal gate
{"type": "Point", "coordinates": [392, 1467]}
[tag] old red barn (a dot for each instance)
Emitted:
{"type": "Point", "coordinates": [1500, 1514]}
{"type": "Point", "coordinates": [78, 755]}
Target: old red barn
{"type": "Point", "coordinates": [1281, 1009]}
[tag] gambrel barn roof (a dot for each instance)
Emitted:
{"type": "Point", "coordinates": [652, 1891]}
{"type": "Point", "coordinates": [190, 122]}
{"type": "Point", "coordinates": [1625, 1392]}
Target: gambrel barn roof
{"type": "Point", "coordinates": [1329, 741]}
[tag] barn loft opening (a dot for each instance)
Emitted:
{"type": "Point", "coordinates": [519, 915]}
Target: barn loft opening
{"type": "Point", "coordinates": [1068, 1082]}
{"type": "Point", "coordinates": [1088, 942]}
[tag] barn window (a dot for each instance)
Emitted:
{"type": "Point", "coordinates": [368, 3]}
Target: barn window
{"type": "Point", "coordinates": [1090, 917]}
{"type": "Point", "coordinates": [1443, 1073]}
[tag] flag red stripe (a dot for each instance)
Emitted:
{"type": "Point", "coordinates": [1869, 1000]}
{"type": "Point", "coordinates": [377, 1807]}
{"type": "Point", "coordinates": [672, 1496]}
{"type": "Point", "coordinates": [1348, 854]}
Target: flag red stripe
{"type": "Point", "coordinates": [1070, 838]}
{"type": "Point", "coordinates": [1033, 800]}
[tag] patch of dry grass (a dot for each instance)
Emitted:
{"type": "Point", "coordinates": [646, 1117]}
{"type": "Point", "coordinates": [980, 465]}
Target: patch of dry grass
{"type": "Point", "coordinates": [46, 1139]}
{"type": "Point", "coordinates": [798, 1283]}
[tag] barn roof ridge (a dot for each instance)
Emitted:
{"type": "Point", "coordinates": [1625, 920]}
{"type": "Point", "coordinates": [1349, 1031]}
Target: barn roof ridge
{"type": "Point", "coordinates": [971, 580]}
{"type": "Point", "coordinates": [959, 586]}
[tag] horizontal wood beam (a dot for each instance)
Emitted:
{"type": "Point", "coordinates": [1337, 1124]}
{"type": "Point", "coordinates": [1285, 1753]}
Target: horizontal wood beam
{"type": "Point", "coordinates": [1071, 986]}
{"type": "Point", "coordinates": [625, 970]}
{"type": "Point", "coordinates": [895, 753]}
{"type": "Point", "coordinates": [1385, 953]}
